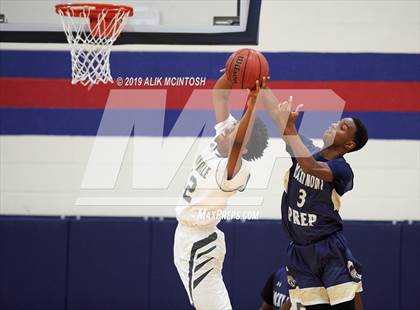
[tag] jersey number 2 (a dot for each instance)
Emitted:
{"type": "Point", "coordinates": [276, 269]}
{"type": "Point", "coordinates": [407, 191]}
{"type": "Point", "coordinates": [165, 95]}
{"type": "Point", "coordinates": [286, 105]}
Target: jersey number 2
{"type": "Point", "coordinates": [190, 188]}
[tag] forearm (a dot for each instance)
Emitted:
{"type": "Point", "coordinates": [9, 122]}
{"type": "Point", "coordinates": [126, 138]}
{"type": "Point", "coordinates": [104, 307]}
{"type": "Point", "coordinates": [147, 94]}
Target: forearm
{"type": "Point", "coordinates": [241, 139]}
{"type": "Point", "coordinates": [358, 302]}
{"type": "Point", "coordinates": [221, 92]}
{"type": "Point", "coordinates": [300, 151]}
{"type": "Point", "coordinates": [304, 157]}
{"type": "Point", "coordinates": [248, 121]}
{"type": "Point", "coordinates": [270, 102]}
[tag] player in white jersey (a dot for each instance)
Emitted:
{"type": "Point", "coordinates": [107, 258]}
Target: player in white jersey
{"type": "Point", "coordinates": [218, 172]}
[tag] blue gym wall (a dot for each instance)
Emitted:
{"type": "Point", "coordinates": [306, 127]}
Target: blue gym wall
{"type": "Point", "coordinates": [126, 263]}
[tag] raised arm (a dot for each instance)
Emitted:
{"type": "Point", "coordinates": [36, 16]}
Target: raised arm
{"type": "Point", "coordinates": [301, 153]}
{"type": "Point", "coordinates": [244, 131]}
{"type": "Point", "coordinates": [269, 101]}
{"type": "Point", "coordinates": [221, 91]}
{"type": "Point", "coordinates": [271, 105]}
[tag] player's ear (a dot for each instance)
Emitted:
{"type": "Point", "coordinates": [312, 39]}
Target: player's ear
{"type": "Point", "coordinates": [244, 151]}
{"type": "Point", "coordinates": [350, 145]}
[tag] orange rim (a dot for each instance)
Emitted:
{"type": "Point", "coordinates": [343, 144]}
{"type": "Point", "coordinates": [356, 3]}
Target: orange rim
{"type": "Point", "coordinates": [79, 9]}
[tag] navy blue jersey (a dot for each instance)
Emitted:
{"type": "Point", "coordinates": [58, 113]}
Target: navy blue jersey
{"type": "Point", "coordinates": [276, 289]}
{"type": "Point", "coordinates": [310, 205]}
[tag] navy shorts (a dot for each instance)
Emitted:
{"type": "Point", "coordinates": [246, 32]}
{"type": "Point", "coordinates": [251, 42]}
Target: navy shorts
{"type": "Point", "coordinates": [324, 272]}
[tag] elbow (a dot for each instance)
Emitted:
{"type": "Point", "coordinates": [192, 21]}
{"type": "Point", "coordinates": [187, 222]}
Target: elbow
{"type": "Point", "coordinates": [307, 169]}
{"type": "Point", "coordinates": [308, 164]}
{"type": "Point", "coordinates": [317, 171]}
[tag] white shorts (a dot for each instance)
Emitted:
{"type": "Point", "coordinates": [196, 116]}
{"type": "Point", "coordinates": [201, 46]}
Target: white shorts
{"type": "Point", "coordinates": [198, 257]}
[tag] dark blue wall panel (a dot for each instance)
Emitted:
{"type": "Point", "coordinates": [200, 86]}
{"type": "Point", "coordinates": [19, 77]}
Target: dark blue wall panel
{"type": "Point", "coordinates": [166, 289]}
{"type": "Point", "coordinates": [228, 229]}
{"type": "Point", "coordinates": [109, 264]}
{"type": "Point", "coordinates": [410, 267]}
{"type": "Point", "coordinates": [259, 250]}
{"type": "Point", "coordinates": [33, 255]}
{"type": "Point", "coordinates": [377, 246]}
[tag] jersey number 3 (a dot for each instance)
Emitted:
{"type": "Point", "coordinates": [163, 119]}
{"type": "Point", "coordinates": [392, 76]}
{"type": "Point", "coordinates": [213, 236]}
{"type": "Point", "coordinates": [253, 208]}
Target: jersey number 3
{"type": "Point", "coordinates": [301, 198]}
{"type": "Point", "coordinates": [190, 188]}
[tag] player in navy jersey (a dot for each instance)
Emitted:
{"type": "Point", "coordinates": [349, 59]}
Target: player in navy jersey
{"type": "Point", "coordinates": [322, 272]}
{"type": "Point", "coordinates": [275, 294]}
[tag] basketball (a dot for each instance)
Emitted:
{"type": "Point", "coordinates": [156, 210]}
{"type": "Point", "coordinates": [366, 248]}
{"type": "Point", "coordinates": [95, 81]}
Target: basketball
{"type": "Point", "coordinates": [244, 67]}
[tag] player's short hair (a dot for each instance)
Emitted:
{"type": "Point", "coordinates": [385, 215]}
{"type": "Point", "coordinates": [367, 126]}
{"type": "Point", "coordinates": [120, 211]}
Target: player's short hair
{"type": "Point", "coordinates": [361, 134]}
{"type": "Point", "coordinates": [258, 140]}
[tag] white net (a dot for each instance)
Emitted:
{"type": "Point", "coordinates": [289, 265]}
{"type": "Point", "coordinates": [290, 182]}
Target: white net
{"type": "Point", "coordinates": [91, 34]}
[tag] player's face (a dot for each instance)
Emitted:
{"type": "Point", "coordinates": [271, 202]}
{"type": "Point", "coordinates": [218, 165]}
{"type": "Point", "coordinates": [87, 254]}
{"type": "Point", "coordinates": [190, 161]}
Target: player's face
{"type": "Point", "coordinates": [340, 133]}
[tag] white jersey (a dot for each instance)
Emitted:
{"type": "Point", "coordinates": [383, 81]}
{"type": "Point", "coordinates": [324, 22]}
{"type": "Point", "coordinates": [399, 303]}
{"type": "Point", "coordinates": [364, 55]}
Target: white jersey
{"type": "Point", "coordinates": [207, 189]}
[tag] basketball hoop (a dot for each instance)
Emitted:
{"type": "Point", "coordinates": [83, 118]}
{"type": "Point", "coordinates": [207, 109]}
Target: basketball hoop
{"type": "Point", "coordinates": [91, 29]}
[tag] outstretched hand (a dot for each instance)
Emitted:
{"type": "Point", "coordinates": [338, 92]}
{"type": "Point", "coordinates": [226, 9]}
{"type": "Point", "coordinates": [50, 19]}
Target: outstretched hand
{"type": "Point", "coordinates": [253, 93]}
{"type": "Point", "coordinates": [264, 83]}
{"type": "Point", "coordinates": [285, 110]}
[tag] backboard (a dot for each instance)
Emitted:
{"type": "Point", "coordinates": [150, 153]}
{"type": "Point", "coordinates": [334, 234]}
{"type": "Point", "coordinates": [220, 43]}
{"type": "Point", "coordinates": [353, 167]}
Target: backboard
{"type": "Point", "coordinates": [154, 22]}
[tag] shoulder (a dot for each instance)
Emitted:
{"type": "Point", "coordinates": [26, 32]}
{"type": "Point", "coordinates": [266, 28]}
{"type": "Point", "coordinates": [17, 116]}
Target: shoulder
{"type": "Point", "coordinates": [340, 164]}
{"type": "Point", "coordinates": [343, 175]}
